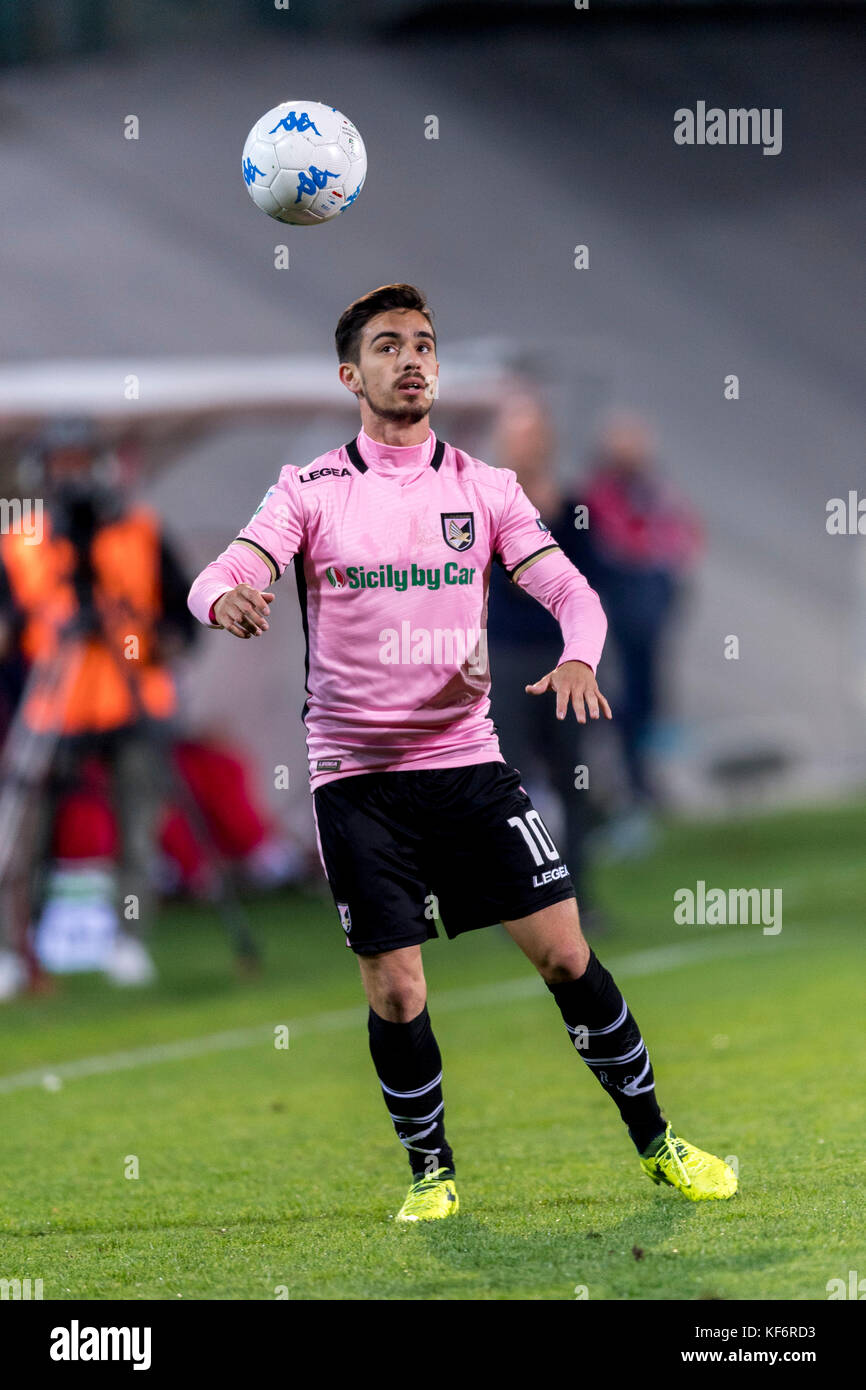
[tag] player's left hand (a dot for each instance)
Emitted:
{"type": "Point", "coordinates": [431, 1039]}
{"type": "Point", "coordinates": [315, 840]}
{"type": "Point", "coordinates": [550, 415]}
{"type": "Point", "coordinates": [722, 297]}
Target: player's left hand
{"type": "Point", "coordinates": [574, 684]}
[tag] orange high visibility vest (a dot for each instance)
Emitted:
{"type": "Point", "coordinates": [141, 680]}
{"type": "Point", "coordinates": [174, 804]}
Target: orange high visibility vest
{"type": "Point", "coordinates": [106, 680]}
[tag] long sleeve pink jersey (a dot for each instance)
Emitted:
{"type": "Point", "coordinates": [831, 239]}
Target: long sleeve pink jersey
{"type": "Point", "coordinates": [392, 549]}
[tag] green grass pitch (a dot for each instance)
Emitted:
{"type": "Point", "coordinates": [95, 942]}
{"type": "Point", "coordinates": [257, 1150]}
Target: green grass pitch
{"type": "Point", "coordinates": [268, 1172]}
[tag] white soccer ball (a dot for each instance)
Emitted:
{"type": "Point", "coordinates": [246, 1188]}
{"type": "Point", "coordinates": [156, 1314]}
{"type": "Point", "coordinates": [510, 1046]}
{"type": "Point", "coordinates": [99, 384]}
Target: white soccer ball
{"type": "Point", "coordinates": [304, 163]}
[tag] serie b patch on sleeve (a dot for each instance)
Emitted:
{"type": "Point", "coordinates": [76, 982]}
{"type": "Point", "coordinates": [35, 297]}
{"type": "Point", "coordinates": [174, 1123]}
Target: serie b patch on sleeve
{"type": "Point", "coordinates": [270, 492]}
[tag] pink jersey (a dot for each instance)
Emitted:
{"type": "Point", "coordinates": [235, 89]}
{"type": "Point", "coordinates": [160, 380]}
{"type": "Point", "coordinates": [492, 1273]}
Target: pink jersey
{"type": "Point", "coordinates": [392, 549]}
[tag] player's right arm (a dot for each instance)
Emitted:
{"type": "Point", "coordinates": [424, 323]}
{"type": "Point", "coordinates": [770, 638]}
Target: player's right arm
{"type": "Point", "coordinates": [231, 592]}
{"type": "Point", "coordinates": [242, 611]}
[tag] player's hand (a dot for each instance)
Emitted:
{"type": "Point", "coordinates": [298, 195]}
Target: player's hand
{"type": "Point", "coordinates": [243, 611]}
{"type": "Point", "coordinates": [574, 684]}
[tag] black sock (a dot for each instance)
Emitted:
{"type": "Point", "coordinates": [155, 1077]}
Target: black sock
{"type": "Point", "coordinates": [409, 1067]}
{"type": "Point", "coordinates": [606, 1036]}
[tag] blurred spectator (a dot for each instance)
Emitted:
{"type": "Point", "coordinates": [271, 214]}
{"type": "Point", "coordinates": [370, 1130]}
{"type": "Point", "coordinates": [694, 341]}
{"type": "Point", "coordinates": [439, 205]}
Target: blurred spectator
{"type": "Point", "coordinates": [525, 642]}
{"type": "Point", "coordinates": [232, 820]}
{"type": "Point", "coordinates": [642, 540]}
{"type": "Point", "coordinates": [96, 609]}
{"type": "Point", "coordinates": [225, 819]}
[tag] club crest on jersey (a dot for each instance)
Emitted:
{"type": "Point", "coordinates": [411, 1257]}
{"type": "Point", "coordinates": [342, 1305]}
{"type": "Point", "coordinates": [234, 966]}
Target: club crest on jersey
{"type": "Point", "coordinates": [335, 577]}
{"type": "Point", "coordinates": [458, 528]}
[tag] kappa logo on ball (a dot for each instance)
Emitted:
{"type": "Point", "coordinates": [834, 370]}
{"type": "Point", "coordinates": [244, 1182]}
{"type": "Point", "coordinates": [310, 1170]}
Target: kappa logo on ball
{"type": "Point", "coordinates": [303, 163]}
{"type": "Point", "coordinates": [458, 528]}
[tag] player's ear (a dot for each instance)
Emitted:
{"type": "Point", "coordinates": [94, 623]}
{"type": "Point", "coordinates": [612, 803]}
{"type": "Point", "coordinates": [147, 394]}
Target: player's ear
{"type": "Point", "coordinates": [350, 377]}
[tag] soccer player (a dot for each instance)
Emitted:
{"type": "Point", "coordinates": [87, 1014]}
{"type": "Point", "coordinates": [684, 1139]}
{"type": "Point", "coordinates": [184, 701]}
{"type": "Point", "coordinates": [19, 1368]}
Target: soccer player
{"type": "Point", "coordinates": [392, 537]}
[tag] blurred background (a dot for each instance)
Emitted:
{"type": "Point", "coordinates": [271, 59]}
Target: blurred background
{"type": "Point", "coordinates": [149, 347]}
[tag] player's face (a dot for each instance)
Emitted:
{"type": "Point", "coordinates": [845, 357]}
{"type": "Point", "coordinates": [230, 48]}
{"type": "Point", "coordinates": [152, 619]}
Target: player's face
{"type": "Point", "coordinates": [398, 369]}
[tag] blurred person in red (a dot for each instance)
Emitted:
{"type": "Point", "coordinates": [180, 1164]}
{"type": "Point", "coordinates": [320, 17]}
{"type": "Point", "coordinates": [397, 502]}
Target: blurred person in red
{"type": "Point", "coordinates": [642, 540]}
{"type": "Point", "coordinates": [233, 821]}
{"type": "Point", "coordinates": [231, 828]}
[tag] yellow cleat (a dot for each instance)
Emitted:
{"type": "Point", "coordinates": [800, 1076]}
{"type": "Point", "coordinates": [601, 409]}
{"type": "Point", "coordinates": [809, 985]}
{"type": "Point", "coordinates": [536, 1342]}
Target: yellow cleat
{"type": "Point", "coordinates": [697, 1175]}
{"type": "Point", "coordinates": [430, 1198]}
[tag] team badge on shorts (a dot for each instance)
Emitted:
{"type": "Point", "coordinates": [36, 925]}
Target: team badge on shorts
{"type": "Point", "coordinates": [345, 916]}
{"type": "Point", "coordinates": [458, 528]}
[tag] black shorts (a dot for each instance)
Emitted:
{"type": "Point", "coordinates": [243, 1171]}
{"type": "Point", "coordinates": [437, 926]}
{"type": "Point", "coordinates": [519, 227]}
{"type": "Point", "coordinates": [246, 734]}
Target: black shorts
{"type": "Point", "coordinates": [464, 844]}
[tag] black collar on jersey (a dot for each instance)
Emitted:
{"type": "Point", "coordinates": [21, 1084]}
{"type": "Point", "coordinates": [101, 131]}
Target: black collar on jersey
{"type": "Point", "coordinates": [355, 455]}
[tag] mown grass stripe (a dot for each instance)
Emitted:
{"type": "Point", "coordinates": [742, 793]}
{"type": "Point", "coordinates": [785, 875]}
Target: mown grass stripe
{"type": "Point", "coordinates": [640, 963]}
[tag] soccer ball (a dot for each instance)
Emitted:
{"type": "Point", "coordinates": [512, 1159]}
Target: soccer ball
{"type": "Point", "coordinates": [303, 163]}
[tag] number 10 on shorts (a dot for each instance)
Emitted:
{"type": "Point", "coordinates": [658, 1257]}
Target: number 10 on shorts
{"type": "Point", "coordinates": [536, 835]}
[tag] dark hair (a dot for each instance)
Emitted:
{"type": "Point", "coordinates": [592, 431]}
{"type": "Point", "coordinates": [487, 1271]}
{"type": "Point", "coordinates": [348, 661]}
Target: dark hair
{"type": "Point", "coordinates": [353, 319]}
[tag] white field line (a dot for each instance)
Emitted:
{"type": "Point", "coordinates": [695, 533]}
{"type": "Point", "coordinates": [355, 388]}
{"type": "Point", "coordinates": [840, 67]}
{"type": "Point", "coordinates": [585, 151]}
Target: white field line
{"type": "Point", "coordinates": [651, 962]}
